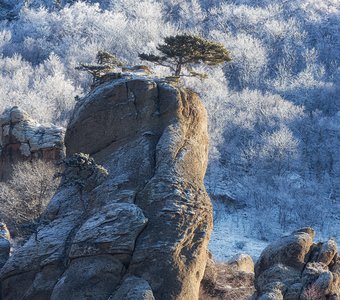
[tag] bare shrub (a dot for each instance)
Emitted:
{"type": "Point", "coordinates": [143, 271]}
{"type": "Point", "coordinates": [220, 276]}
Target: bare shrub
{"type": "Point", "coordinates": [25, 196]}
{"type": "Point", "coordinates": [313, 292]}
{"type": "Point", "coordinates": [227, 284]}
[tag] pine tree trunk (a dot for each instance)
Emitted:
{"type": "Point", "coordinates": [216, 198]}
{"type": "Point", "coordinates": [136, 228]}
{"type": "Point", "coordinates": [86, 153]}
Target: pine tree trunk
{"type": "Point", "coordinates": [178, 68]}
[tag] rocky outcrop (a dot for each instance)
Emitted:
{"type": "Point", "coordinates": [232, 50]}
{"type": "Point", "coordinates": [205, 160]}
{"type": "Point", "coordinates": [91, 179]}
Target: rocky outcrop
{"type": "Point", "coordinates": [242, 263]}
{"type": "Point", "coordinates": [21, 138]}
{"type": "Point", "coordinates": [296, 268]}
{"type": "Point", "coordinates": [136, 227]}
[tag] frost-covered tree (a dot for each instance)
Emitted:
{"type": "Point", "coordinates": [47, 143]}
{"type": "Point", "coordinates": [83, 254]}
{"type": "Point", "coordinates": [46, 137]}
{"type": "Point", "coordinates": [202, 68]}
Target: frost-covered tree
{"type": "Point", "coordinates": [25, 196]}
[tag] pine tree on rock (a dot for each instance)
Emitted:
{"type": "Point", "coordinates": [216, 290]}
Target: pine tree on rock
{"type": "Point", "coordinates": [186, 50]}
{"type": "Point", "coordinates": [106, 65]}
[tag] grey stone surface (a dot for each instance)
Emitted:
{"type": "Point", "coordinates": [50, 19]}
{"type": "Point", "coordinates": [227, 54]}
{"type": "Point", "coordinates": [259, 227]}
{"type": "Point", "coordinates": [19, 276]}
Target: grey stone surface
{"type": "Point", "coordinates": [242, 262]}
{"type": "Point", "coordinates": [134, 288]}
{"type": "Point", "coordinates": [21, 138]}
{"type": "Point", "coordinates": [137, 226]}
{"type": "Point", "coordinates": [296, 268]}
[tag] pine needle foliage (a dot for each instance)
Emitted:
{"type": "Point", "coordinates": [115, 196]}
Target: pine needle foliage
{"type": "Point", "coordinates": [184, 50]}
{"type": "Point", "coordinates": [106, 63]}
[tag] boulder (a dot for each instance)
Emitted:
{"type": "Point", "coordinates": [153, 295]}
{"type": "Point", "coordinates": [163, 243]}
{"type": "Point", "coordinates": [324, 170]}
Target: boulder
{"type": "Point", "coordinates": [242, 263]}
{"type": "Point", "coordinates": [136, 226]}
{"type": "Point", "coordinates": [134, 288]}
{"type": "Point", "coordinates": [296, 268]}
{"type": "Point", "coordinates": [22, 138]}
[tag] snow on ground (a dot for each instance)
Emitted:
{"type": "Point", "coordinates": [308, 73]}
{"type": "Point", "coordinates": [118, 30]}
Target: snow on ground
{"type": "Point", "coordinates": [231, 236]}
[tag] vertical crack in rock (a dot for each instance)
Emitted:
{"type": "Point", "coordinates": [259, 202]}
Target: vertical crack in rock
{"type": "Point", "coordinates": [130, 96]}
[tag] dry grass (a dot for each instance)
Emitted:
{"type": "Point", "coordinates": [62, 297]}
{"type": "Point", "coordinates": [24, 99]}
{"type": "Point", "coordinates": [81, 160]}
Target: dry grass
{"type": "Point", "coordinates": [230, 284]}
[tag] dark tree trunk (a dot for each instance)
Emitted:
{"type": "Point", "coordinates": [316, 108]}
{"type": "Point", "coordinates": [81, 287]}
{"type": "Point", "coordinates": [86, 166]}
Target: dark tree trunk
{"type": "Point", "coordinates": [178, 68]}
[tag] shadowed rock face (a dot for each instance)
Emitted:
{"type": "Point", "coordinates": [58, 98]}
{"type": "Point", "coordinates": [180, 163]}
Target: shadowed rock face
{"type": "Point", "coordinates": [296, 268]}
{"type": "Point", "coordinates": [140, 232]}
{"type": "Point", "coordinates": [21, 138]}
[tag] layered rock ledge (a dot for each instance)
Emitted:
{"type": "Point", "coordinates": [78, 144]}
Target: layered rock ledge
{"type": "Point", "coordinates": [22, 138]}
{"type": "Point", "coordinates": [136, 227]}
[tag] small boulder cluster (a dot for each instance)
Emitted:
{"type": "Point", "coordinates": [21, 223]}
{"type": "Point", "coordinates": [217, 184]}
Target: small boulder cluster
{"type": "Point", "coordinates": [296, 268]}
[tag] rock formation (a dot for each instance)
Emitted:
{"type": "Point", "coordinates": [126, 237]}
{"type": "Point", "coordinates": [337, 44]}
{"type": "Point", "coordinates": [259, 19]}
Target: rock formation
{"type": "Point", "coordinates": [136, 227]}
{"type": "Point", "coordinates": [230, 280]}
{"type": "Point", "coordinates": [242, 263]}
{"type": "Point", "coordinates": [22, 138]}
{"type": "Point", "coordinates": [295, 268]}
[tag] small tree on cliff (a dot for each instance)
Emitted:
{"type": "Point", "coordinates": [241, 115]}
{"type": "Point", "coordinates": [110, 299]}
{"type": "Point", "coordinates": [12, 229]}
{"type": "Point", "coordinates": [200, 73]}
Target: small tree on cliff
{"type": "Point", "coordinates": [185, 50]}
{"type": "Point", "coordinates": [106, 63]}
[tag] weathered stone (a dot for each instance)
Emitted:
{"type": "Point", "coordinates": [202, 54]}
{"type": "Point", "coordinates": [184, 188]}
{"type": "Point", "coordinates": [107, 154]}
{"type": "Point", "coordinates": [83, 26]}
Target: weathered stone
{"type": "Point", "coordinates": [294, 291]}
{"type": "Point", "coordinates": [277, 274]}
{"type": "Point", "coordinates": [298, 269]}
{"type": "Point", "coordinates": [43, 283]}
{"type": "Point", "coordinates": [327, 252]}
{"type": "Point", "coordinates": [138, 226]}
{"type": "Point", "coordinates": [312, 272]}
{"type": "Point", "coordinates": [21, 138]}
{"type": "Point", "coordinates": [273, 295]}
{"type": "Point", "coordinates": [243, 263]}
{"type": "Point", "coordinates": [289, 250]}
{"type": "Point", "coordinates": [90, 277]}
{"type": "Point", "coordinates": [112, 230]}
{"type": "Point", "coordinates": [133, 288]}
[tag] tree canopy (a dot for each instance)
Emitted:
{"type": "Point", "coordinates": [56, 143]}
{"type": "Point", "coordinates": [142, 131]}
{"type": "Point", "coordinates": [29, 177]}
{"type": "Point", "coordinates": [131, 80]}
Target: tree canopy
{"type": "Point", "coordinates": [186, 50]}
{"type": "Point", "coordinates": [106, 63]}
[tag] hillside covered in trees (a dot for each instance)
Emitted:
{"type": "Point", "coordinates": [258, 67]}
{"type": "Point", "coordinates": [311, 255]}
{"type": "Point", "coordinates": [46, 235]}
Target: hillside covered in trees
{"type": "Point", "coordinates": [274, 119]}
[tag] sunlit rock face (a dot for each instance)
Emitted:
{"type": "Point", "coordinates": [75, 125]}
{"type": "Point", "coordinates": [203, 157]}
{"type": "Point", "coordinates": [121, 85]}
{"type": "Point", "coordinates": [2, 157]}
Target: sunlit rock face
{"type": "Point", "coordinates": [297, 268]}
{"type": "Point", "coordinates": [135, 224]}
{"type": "Point", "coordinates": [23, 139]}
